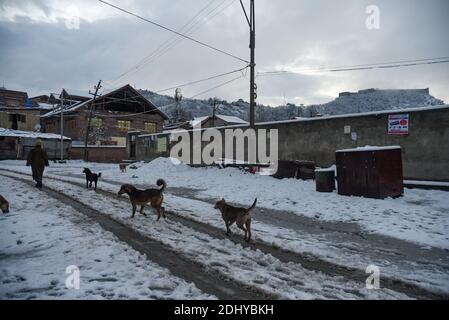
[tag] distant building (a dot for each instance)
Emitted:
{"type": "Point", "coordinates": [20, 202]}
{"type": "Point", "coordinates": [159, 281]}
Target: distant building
{"type": "Point", "coordinates": [18, 112]}
{"type": "Point", "coordinates": [114, 115]}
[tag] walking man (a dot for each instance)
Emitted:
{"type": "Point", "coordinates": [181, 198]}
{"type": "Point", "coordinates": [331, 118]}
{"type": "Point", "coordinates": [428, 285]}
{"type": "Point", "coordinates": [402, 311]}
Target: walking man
{"type": "Point", "coordinates": [38, 160]}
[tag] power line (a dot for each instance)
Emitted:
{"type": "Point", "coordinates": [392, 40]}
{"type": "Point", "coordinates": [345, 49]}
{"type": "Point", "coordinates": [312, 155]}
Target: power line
{"type": "Point", "coordinates": [383, 65]}
{"type": "Point", "coordinates": [216, 87]}
{"type": "Point", "coordinates": [202, 80]}
{"type": "Point", "coordinates": [167, 44]}
{"type": "Point", "coordinates": [169, 105]}
{"type": "Point", "coordinates": [175, 32]}
{"type": "Point", "coordinates": [172, 42]}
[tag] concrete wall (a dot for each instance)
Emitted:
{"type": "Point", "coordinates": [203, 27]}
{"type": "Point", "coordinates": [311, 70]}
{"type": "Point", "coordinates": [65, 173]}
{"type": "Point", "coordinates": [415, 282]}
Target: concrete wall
{"type": "Point", "coordinates": [100, 154]}
{"type": "Point", "coordinates": [32, 118]}
{"type": "Point", "coordinates": [425, 149]}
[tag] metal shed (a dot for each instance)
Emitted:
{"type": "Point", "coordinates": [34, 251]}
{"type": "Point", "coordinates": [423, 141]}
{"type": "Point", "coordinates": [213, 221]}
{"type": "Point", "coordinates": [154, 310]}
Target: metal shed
{"type": "Point", "coordinates": [372, 172]}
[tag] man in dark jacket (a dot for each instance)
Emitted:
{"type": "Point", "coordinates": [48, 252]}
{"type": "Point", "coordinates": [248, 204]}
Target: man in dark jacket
{"type": "Point", "coordinates": [38, 160]}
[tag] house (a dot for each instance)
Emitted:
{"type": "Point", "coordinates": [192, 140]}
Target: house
{"type": "Point", "coordinates": [18, 112]}
{"type": "Point", "coordinates": [216, 121]}
{"type": "Point", "coordinates": [50, 101]}
{"type": "Point", "coordinates": [113, 115]}
{"type": "Point", "coordinates": [15, 144]}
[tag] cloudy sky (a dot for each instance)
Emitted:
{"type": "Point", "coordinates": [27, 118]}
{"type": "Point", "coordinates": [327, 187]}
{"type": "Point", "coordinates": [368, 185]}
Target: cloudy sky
{"type": "Point", "coordinates": [46, 45]}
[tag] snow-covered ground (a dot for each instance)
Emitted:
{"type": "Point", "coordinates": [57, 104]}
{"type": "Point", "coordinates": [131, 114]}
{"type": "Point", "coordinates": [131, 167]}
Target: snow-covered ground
{"type": "Point", "coordinates": [41, 237]}
{"type": "Point", "coordinates": [420, 217]}
{"type": "Point", "coordinates": [286, 280]}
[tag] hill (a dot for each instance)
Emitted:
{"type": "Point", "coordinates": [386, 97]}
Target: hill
{"type": "Point", "coordinates": [348, 102]}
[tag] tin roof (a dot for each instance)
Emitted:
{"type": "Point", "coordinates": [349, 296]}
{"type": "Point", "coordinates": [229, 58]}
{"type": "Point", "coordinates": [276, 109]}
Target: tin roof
{"type": "Point", "coordinates": [29, 134]}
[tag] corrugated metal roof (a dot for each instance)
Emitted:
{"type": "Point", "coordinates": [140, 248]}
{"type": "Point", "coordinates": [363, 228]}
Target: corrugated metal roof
{"type": "Point", "coordinates": [29, 134]}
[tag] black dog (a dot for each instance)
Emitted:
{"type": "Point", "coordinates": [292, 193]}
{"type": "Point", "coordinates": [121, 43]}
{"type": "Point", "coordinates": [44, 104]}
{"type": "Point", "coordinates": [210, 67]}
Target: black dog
{"type": "Point", "coordinates": [91, 178]}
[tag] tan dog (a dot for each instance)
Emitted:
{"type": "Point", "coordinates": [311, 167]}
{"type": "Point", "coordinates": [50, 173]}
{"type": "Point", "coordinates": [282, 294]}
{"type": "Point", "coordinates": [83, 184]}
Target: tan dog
{"type": "Point", "coordinates": [143, 197]}
{"type": "Point", "coordinates": [4, 205]}
{"type": "Point", "coordinates": [232, 214]}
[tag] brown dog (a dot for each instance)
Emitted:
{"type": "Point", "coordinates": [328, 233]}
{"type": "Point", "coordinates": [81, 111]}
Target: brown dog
{"type": "Point", "coordinates": [143, 197]}
{"type": "Point", "coordinates": [122, 167]}
{"type": "Point", "coordinates": [4, 205]}
{"type": "Point", "coordinates": [232, 214]}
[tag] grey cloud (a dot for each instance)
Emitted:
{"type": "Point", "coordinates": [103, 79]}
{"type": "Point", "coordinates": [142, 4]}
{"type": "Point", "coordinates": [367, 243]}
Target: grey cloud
{"type": "Point", "coordinates": [38, 57]}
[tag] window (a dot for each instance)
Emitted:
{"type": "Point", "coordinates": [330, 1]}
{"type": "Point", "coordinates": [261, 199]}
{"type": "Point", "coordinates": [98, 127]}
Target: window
{"type": "Point", "coordinates": [97, 122]}
{"type": "Point", "coordinates": [124, 125]}
{"type": "Point", "coordinates": [17, 118]}
{"type": "Point", "coordinates": [162, 145]}
{"type": "Point", "coordinates": [150, 127]}
{"type": "Point", "coordinates": [71, 124]}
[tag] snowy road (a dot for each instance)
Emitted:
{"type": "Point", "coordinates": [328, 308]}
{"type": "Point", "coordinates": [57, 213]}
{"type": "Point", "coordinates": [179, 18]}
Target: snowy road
{"type": "Point", "coordinates": [256, 269]}
{"type": "Point", "coordinates": [41, 237]}
{"type": "Point", "coordinates": [331, 255]}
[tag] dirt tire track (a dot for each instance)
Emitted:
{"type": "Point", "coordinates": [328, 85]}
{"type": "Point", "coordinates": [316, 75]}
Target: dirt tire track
{"type": "Point", "coordinates": [209, 281]}
{"type": "Point", "coordinates": [309, 262]}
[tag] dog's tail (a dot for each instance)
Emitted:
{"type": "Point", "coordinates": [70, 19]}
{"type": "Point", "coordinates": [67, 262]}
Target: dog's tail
{"type": "Point", "coordinates": [161, 183]}
{"type": "Point", "coordinates": [99, 175]}
{"type": "Point", "coordinates": [248, 211]}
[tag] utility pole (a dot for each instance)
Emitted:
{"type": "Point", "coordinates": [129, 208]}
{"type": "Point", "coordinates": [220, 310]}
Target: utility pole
{"type": "Point", "coordinates": [252, 45]}
{"type": "Point", "coordinates": [91, 106]}
{"type": "Point", "coordinates": [214, 112]}
{"type": "Point", "coordinates": [178, 98]}
{"type": "Point", "coordinates": [62, 126]}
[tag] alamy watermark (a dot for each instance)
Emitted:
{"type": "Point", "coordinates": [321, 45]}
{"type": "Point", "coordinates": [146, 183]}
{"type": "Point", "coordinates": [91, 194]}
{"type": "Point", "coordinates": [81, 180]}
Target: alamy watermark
{"type": "Point", "coordinates": [206, 147]}
{"type": "Point", "coordinates": [373, 20]}
{"type": "Point", "coordinates": [373, 281]}
{"type": "Point", "coordinates": [72, 282]}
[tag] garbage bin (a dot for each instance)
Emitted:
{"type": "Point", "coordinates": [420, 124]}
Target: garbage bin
{"type": "Point", "coordinates": [325, 180]}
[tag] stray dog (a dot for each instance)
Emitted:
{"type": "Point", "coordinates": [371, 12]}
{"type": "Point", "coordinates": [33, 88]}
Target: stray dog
{"type": "Point", "coordinates": [123, 167]}
{"type": "Point", "coordinates": [232, 214]}
{"type": "Point", "coordinates": [4, 205]}
{"type": "Point", "coordinates": [91, 178]}
{"type": "Point", "coordinates": [143, 197]}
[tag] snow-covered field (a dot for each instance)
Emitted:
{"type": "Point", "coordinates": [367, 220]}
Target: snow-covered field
{"type": "Point", "coordinates": [420, 218]}
{"type": "Point", "coordinates": [41, 237]}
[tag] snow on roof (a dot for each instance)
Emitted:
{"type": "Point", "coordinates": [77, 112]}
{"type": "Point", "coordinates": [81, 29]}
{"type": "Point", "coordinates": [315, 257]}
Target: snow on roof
{"type": "Point", "coordinates": [29, 134]}
{"type": "Point", "coordinates": [231, 119]}
{"type": "Point", "coordinates": [370, 148]}
{"type": "Point", "coordinates": [198, 121]}
{"type": "Point", "coordinates": [45, 106]}
{"type": "Point", "coordinates": [228, 119]}
{"type": "Point", "coordinates": [84, 103]}
{"type": "Point", "coordinates": [353, 115]}
{"type": "Point", "coordinates": [66, 110]}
